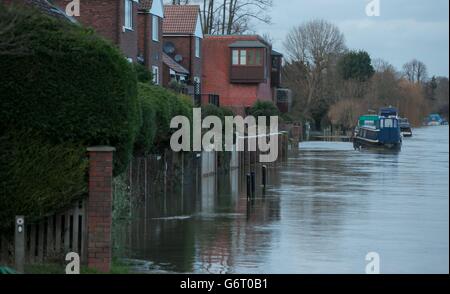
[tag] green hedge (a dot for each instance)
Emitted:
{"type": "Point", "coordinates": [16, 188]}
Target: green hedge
{"type": "Point", "coordinates": [159, 106]}
{"type": "Point", "coordinates": [69, 85]}
{"type": "Point", "coordinates": [38, 177]}
{"type": "Point", "coordinates": [264, 108]}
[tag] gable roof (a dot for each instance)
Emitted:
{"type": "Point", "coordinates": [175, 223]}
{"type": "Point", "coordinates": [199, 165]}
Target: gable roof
{"type": "Point", "coordinates": [173, 65]}
{"type": "Point", "coordinates": [181, 19]}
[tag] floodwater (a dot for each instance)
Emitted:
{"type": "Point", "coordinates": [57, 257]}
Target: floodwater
{"type": "Point", "coordinates": [323, 211]}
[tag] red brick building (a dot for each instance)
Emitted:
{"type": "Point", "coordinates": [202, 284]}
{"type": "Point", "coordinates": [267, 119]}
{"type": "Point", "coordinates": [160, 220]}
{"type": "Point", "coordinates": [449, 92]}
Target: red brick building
{"type": "Point", "coordinates": [183, 34]}
{"type": "Point", "coordinates": [150, 37]}
{"type": "Point", "coordinates": [116, 20]}
{"type": "Point", "coordinates": [240, 69]}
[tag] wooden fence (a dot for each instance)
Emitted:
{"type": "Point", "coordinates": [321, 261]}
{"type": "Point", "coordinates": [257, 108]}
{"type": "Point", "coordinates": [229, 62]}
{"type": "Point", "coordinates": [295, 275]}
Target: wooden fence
{"type": "Point", "coordinates": [50, 238]}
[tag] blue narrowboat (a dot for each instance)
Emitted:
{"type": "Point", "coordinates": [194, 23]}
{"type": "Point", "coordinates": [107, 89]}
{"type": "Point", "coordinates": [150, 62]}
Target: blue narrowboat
{"type": "Point", "coordinates": [379, 131]}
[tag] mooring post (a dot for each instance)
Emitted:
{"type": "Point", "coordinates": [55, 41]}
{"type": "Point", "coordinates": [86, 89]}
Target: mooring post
{"type": "Point", "coordinates": [249, 186]}
{"type": "Point", "coordinates": [264, 176]}
{"type": "Point", "coordinates": [19, 243]}
{"type": "Point", "coordinates": [253, 174]}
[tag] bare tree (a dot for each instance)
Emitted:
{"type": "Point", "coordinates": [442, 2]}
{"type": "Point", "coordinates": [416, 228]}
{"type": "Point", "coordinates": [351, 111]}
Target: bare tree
{"type": "Point", "coordinates": [230, 16]}
{"type": "Point", "coordinates": [312, 48]}
{"type": "Point", "coordinates": [415, 71]}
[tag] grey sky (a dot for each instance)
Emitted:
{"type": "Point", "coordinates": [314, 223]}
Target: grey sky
{"type": "Point", "coordinates": [405, 29]}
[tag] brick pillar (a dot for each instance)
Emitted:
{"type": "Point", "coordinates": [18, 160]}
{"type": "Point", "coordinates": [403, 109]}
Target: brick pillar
{"type": "Point", "coordinates": [99, 208]}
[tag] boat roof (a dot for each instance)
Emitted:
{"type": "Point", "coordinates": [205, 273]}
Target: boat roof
{"type": "Point", "coordinates": [369, 117]}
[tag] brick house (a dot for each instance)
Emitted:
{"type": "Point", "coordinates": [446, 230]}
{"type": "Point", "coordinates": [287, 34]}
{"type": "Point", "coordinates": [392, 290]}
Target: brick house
{"type": "Point", "coordinates": [116, 20]}
{"type": "Point", "coordinates": [240, 69]}
{"type": "Point", "coordinates": [150, 37]}
{"type": "Point", "coordinates": [183, 34]}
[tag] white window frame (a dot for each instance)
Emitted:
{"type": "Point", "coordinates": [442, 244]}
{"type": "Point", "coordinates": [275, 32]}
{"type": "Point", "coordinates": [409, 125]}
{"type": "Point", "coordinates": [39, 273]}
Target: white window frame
{"type": "Point", "coordinates": [197, 47]}
{"type": "Point", "coordinates": [235, 57]}
{"type": "Point", "coordinates": [155, 72]}
{"type": "Point", "coordinates": [155, 28]}
{"type": "Point", "coordinates": [243, 57]}
{"type": "Point", "coordinates": [128, 9]}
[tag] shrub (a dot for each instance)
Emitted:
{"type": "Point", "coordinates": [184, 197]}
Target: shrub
{"type": "Point", "coordinates": [69, 85]}
{"type": "Point", "coordinates": [144, 75]}
{"type": "Point", "coordinates": [38, 177]}
{"type": "Point", "coordinates": [159, 106]}
{"type": "Point", "coordinates": [264, 108]}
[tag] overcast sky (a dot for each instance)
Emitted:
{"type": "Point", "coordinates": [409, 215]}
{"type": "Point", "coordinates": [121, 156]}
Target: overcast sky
{"type": "Point", "coordinates": [404, 30]}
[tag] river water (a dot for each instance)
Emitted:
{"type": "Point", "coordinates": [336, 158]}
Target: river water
{"type": "Point", "coordinates": [323, 211]}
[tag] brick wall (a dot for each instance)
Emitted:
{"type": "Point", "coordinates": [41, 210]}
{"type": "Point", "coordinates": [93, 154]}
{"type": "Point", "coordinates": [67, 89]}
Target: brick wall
{"type": "Point", "coordinates": [185, 46]}
{"type": "Point", "coordinates": [149, 49]}
{"type": "Point", "coordinates": [216, 75]}
{"type": "Point", "coordinates": [107, 18]}
{"type": "Point", "coordinates": [99, 208]}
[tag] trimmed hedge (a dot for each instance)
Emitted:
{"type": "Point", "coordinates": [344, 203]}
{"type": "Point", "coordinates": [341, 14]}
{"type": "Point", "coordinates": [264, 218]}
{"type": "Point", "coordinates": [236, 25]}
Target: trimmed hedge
{"type": "Point", "coordinates": [38, 177]}
{"type": "Point", "coordinates": [264, 108]}
{"type": "Point", "coordinates": [159, 106]}
{"type": "Point", "coordinates": [69, 85]}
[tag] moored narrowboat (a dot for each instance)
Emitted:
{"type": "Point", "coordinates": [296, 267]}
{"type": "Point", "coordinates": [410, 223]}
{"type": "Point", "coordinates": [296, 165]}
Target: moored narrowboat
{"type": "Point", "coordinates": [378, 131]}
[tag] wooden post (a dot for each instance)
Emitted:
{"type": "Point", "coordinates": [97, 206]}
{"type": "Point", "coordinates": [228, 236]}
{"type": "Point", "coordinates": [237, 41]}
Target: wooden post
{"type": "Point", "coordinates": [19, 243]}
{"type": "Point", "coordinates": [58, 235]}
{"type": "Point", "coordinates": [75, 232]}
{"type": "Point", "coordinates": [67, 231]}
{"type": "Point", "coordinates": [50, 239]}
{"type": "Point", "coordinates": [33, 232]}
{"type": "Point", "coordinates": [40, 248]}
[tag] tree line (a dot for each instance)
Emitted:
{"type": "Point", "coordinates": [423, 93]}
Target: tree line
{"type": "Point", "coordinates": [333, 85]}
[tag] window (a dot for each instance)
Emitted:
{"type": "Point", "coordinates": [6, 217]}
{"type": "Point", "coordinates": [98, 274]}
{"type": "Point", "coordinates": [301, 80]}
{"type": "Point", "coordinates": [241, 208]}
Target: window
{"type": "Point", "coordinates": [247, 57]}
{"type": "Point", "coordinates": [155, 71]}
{"type": "Point", "coordinates": [243, 57]}
{"type": "Point", "coordinates": [155, 28]}
{"type": "Point", "coordinates": [128, 14]}
{"type": "Point", "coordinates": [387, 123]}
{"type": "Point", "coordinates": [197, 47]}
{"type": "Point", "coordinates": [235, 57]}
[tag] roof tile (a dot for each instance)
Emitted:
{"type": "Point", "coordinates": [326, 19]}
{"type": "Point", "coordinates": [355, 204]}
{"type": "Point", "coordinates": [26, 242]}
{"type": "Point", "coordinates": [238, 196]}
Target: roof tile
{"type": "Point", "coordinates": [180, 19]}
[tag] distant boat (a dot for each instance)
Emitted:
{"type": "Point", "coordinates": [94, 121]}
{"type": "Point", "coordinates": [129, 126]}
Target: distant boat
{"type": "Point", "coordinates": [434, 120]}
{"type": "Point", "coordinates": [405, 127]}
{"type": "Point", "coordinates": [379, 131]}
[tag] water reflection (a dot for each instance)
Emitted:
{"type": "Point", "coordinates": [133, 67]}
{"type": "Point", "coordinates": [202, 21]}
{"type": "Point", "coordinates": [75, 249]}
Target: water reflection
{"type": "Point", "coordinates": [324, 210]}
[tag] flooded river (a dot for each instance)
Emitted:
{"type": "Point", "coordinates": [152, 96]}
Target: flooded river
{"type": "Point", "coordinates": [323, 211]}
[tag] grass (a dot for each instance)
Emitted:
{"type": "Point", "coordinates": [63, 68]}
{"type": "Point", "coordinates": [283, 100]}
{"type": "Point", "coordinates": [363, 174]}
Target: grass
{"type": "Point", "coordinates": [117, 267]}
